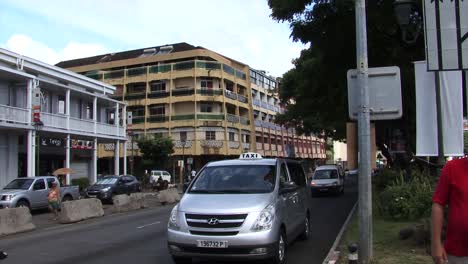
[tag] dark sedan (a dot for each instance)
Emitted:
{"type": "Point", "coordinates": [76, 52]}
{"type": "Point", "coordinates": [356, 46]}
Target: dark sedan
{"type": "Point", "coordinates": [108, 186]}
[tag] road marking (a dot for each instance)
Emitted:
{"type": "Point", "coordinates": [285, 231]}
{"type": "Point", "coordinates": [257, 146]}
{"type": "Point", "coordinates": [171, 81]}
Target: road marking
{"type": "Point", "coordinates": [143, 226]}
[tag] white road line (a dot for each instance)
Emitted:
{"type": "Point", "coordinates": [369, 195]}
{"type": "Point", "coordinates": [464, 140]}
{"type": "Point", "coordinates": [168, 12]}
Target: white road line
{"type": "Point", "coordinates": [143, 226]}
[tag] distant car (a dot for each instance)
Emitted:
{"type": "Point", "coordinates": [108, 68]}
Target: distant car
{"type": "Point", "coordinates": [108, 186]}
{"type": "Point", "coordinates": [328, 179]}
{"type": "Point", "coordinates": [165, 176]}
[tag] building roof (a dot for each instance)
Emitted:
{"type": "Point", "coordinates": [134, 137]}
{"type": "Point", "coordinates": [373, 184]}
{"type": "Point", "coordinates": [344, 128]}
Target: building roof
{"type": "Point", "coordinates": [124, 55]}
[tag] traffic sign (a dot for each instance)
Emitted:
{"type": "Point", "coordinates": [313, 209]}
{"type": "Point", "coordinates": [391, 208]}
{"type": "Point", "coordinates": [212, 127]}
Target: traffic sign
{"type": "Point", "coordinates": [446, 31]}
{"type": "Point", "coordinates": [189, 160]}
{"type": "Point", "coordinates": [384, 93]}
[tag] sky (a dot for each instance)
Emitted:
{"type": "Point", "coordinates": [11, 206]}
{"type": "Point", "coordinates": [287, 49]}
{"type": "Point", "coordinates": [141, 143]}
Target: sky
{"type": "Point", "coordinates": [56, 30]}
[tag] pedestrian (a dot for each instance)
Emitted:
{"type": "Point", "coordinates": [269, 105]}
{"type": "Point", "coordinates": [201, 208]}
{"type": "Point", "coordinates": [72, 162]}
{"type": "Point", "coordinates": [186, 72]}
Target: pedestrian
{"type": "Point", "coordinates": [54, 199]}
{"type": "Point", "coordinates": [451, 191]}
{"type": "Point", "coordinates": [194, 173]}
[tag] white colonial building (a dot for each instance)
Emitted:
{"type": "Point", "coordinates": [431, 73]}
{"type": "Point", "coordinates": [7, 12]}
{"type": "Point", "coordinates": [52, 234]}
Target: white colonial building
{"type": "Point", "coordinates": [52, 118]}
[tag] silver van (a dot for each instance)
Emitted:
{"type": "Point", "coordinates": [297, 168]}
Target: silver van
{"type": "Point", "coordinates": [249, 208]}
{"type": "Point", "coordinates": [328, 179]}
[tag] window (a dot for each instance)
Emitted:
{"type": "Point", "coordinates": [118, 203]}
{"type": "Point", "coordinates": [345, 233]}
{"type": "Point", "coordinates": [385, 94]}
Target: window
{"type": "Point", "coordinates": [206, 108]}
{"type": "Point", "coordinates": [232, 136]}
{"type": "Point", "coordinates": [50, 181]}
{"type": "Point", "coordinates": [39, 185]}
{"type": "Point", "coordinates": [206, 83]}
{"type": "Point", "coordinates": [137, 112]}
{"type": "Point", "coordinates": [210, 135]}
{"type": "Point", "coordinates": [136, 88]}
{"type": "Point", "coordinates": [89, 111]}
{"type": "Point", "coordinates": [297, 174]}
{"type": "Point", "coordinates": [158, 86]}
{"type": "Point", "coordinates": [157, 110]}
{"type": "Point", "coordinates": [246, 138]}
{"type": "Point", "coordinates": [183, 136]}
{"type": "Point", "coordinates": [259, 139]}
{"type": "Point", "coordinates": [61, 105]}
{"type": "Point", "coordinates": [283, 174]}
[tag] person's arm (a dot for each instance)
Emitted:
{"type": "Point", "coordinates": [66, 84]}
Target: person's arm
{"type": "Point", "coordinates": [440, 199]}
{"type": "Point", "coordinates": [438, 252]}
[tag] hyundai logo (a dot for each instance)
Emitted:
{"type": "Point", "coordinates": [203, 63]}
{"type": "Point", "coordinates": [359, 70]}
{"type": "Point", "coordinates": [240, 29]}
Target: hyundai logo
{"type": "Point", "coordinates": [213, 221]}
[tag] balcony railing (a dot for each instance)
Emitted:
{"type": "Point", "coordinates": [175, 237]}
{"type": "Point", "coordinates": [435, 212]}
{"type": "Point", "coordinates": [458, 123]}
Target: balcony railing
{"type": "Point", "coordinates": [114, 74]}
{"type": "Point", "coordinates": [210, 116]}
{"type": "Point", "coordinates": [246, 146]}
{"type": "Point", "coordinates": [160, 68]}
{"type": "Point", "coordinates": [232, 118]}
{"type": "Point", "coordinates": [242, 98]}
{"type": "Point", "coordinates": [13, 114]}
{"type": "Point", "coordinates": [108, 129]}
{"type": "Point", "coordinates": [136, 71]}
{"type": "Point", "coordinates": [81, 125]}
{"type": "Point", "coordinates": [256, 102]}
{"type": "Point", "coordinates": [208, 65]}
{"type": "Point", "coordinates": [158, 94]}
{"type": "Point", "coordinates": [135, 96]}
{"type": "Point", "coordinates": [182, 117]}
{"type": "Point", "coordinates": [211, 143]}
{"type": "Point", "coordinates": [138, 119]}
{"type": "Point", "coordinates": [157, 118]}
{"type": "Point", "coordinates": [182, 91]}
{"type": "Point", "coordinates": [264, 105]}
{"type": "Point", "coordinates": [209, 92]}
{"type": "Point", "coordinates": [244, 120]}
{"type": "Point", "coordinates": [233, 144]}
{"type": "Point", "coordinates": [259, 145]}
{"type": "Point", "coordinates": [183, 144]}
{"type": "Point", "coordinates": [55, 120]}
{"type": "Point", "coordinates": [230, 94]}
{"type": "Point", "coordinates": [258, 123]}
{"type": "Point", "coordinates": [182, 66]}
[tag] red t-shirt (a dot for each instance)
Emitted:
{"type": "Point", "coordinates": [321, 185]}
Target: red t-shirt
{"type": "Point", "coordinates": [452, 190]}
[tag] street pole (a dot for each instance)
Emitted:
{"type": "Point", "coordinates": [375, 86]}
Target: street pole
{"type": "Point", "coordinates": [440, 130]}
{"type": "Point", "coordinates": [365, 190]}
{"type": "Point", "coordinates": [133, 154]}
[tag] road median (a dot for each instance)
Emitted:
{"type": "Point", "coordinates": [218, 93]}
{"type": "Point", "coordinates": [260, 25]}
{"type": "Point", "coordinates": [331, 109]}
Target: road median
{"type": "Point", "coordinates": [15, 220]}
{"type": "Point", "coordinates": [78, 210]}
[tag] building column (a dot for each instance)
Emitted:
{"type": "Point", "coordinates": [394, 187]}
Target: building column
{"type": "Point", "coordinates": [116, 118]}
{"type": "Point", "coordinates": [125, 143]}
{"type": "Point", "coordinates": [67, 158]}
{"type": "Point", "coordinates": [67, 108]}
{"type": "Point", "coordinates": [95, 114]}
{"type": "Point", "coordinates": [31, 153]}
{"type": "Point", "coordinates": [117, 158]}
{"type": "Point", "coordinates": [95, 154]}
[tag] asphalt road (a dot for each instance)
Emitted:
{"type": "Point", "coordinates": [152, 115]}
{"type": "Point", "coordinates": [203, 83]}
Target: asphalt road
{"type": "Point", "coordinates": [141, 237]}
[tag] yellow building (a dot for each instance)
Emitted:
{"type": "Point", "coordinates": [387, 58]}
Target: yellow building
{"type": "Point", "coordinates": [213, 107]}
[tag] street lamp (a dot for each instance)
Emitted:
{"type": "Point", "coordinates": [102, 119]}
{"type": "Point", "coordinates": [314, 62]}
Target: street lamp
{"type": "Point", "coordinates": [409, 19]}
{"type": "Point", "coordinates": [38, 126]}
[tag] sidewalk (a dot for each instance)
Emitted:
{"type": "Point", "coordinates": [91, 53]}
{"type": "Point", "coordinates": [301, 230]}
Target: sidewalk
{"type": "Point", "coordinates": [44, 219]}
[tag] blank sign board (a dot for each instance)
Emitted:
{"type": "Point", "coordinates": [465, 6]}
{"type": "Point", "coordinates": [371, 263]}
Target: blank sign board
{"type": "Point", "coordinates": [384, 93]}
{"type": "Point", "coordinates": [446, 28]}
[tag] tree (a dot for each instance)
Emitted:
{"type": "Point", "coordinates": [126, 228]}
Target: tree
{"type": "Point", "coordinates": [317, 84]}
{"type": "Point", "coordinates": [155, 151]}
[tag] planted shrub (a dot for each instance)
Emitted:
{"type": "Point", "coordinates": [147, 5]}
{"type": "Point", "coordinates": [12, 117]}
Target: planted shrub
{"type": "Point", "coordinates": [81, 182]}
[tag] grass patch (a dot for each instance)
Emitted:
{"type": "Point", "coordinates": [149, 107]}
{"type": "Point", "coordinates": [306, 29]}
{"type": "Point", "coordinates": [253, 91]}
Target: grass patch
{"type": "Point", "coordinates": [388, 249]}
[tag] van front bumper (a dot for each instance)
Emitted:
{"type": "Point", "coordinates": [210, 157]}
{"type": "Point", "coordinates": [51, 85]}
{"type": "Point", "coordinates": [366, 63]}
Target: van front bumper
{"type": "Point", "coordinates": [252, 246]}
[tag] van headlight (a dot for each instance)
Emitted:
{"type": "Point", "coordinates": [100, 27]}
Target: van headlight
{"type": "Point", "coordinates": [105, 189]}
{"type": "Point", "coordinates": [265, 219]}
{"type": "Point", "coordinates": [9, 197]}
{"type": "Point", "coordinates": [172, 224]}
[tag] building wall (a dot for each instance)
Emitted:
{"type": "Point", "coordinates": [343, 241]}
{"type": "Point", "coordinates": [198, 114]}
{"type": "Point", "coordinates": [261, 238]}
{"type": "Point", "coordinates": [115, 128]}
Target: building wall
{"type": "Point", "coordinates": [8, 158]}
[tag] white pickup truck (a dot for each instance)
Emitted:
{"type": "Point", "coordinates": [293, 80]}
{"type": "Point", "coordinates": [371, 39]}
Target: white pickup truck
{"type": "Point", "coordinates": [32, 192]}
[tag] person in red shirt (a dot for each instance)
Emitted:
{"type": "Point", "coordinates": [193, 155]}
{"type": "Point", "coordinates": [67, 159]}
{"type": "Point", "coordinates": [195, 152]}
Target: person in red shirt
{"type": "Point", "coordinates": [451, 191]}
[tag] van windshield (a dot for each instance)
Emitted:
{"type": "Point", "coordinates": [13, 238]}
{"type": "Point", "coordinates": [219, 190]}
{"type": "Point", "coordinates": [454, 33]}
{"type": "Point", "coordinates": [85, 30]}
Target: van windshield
{"type": "Point", "coordinates": [235, 179]}
{"type": "Point", "coordinates": [22, 184]}
{"type": "Point", "coordinates": [325, 174]}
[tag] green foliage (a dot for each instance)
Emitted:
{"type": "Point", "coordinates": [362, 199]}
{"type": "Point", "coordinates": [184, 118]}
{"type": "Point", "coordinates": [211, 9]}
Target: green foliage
{"type": "Point", "coordinates": [317, 84]}
{"type": "Point", "coordinates": [407, 200]}
{"type": "Point", "coordinates": [385, 178]}
{"type": "Point", "coordinates": [81, 182]}
{"type": "Point", "coordinates": [155, 151]}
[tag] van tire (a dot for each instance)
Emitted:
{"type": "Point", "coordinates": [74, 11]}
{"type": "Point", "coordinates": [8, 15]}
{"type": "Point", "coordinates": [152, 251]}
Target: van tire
{"type": "Point", "coordinates": [279, 256]}
{"type": "Point", "coordinates": [306, 232]}
{"type": "Point", "coordinates": [67, 198]}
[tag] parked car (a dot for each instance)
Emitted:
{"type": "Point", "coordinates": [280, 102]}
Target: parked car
{"type": "Point", "coordinates": [32, 192]}
{"type": "Point", "coordinates": [246, 209]}
{"type": "Point", "coordinates": [328, 179]}
{"type": "Point", "coordinates": [108, 186]}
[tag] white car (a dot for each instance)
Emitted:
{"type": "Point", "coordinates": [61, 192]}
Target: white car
{"type": "Point", "coordinates": [155, 174]}
{"type": "Point", "coordinates": [328, 179]}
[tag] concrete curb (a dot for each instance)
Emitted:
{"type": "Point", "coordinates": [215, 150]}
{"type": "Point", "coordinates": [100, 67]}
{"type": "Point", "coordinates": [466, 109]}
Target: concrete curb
{"type": "Point", "coordinates": [333, 255]}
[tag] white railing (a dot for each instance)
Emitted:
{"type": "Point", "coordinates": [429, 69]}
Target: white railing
{"type": "Point", "coordinates": [82, 125]}
{"type": "Point", "coordinates": [259, 146]}
{"type": "Point", "coordinates": [54, 120]}
{"type": "Point", "coordinates": [234, 145]}
{"type": "Point", "coordinates": [246, 146]}
{"type": "Point", "coordinates": [13, 114]}
{"type": "Point", "coordinates": [106, 129]}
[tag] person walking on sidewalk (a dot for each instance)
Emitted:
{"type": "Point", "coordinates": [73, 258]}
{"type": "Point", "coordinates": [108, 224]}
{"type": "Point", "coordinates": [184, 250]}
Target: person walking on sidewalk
{"type": "Point", "coordinates": [54, 199]}
{"type": "Point", "coordinates": [451, 191]}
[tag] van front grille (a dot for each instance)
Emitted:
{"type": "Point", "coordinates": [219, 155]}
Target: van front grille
{"type": "Point", "coordinates": [215, 221]}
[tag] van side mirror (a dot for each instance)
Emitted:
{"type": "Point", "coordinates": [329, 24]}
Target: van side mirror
{"type": "Point", "coordinates": [287, 187]}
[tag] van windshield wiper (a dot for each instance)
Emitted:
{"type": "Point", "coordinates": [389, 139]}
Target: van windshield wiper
{"type": "Point", "coordinates": [227, 191]}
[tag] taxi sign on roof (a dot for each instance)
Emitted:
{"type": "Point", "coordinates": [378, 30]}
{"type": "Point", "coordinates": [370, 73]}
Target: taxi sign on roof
{"type": "Point", "coordinates": [250, 155]}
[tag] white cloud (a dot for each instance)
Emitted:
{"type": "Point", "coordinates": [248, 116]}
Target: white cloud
{"type": "Point", "coordinates": [239, 29]}
{"type": "Point", "coordinates": [26, 46]}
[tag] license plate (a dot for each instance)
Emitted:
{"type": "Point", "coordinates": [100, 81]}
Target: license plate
{"type": "Point", "coordinates": [324, 190]}
{"type": "Point", "coordinates": [212, 244]}
{"type": "Point", "coordinates": [92, 196]}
